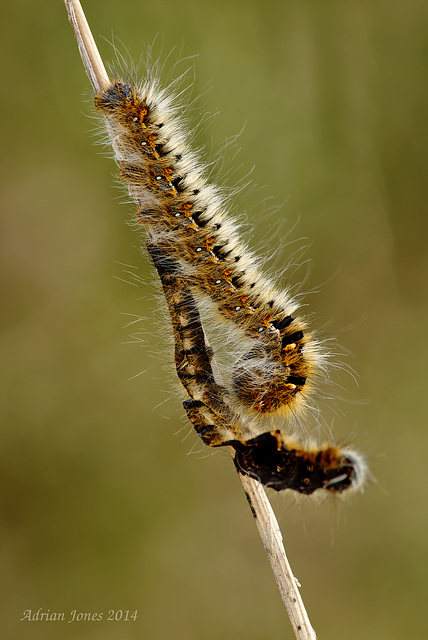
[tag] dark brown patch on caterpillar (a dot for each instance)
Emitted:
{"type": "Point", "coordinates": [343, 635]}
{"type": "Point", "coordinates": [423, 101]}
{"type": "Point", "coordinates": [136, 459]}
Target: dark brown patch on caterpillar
{"type": "Point", "coordinates": [280, 466]}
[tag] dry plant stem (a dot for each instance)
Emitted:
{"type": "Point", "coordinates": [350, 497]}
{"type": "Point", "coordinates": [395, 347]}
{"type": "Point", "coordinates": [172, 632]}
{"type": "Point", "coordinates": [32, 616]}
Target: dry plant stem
{"type": "Point", "coordinates": [259, 504]}
{"type": "Point", "coordinates": [91, 58]}
{"type": "Point", "coordinates": [270, 534]}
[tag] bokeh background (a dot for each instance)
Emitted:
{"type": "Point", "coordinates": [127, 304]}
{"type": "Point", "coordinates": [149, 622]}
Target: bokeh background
{"type": "Point", "coordinates": [108, 500]}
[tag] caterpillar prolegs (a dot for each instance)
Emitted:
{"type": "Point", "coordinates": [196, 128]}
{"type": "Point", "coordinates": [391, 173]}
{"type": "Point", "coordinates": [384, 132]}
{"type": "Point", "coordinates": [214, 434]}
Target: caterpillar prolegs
{"type": "Point", "coordinates": [195, 247]}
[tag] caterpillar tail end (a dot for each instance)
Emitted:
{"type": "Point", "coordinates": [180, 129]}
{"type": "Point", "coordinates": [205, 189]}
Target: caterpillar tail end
{"type": "Point", "coordinates": [279, 464]}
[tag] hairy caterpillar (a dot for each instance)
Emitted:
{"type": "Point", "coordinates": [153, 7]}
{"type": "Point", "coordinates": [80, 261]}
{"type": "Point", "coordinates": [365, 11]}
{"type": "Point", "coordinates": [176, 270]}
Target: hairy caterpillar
{"type": "Point", "coordinates": [165, 181]}
{"type": "Point", "coordinates": [187, 218]}
{"type": "Point", "coordinates": [195, 247]}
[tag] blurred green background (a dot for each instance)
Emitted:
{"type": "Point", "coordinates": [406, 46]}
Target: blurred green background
{"type": "Point", "coordinates": [102, 507]}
